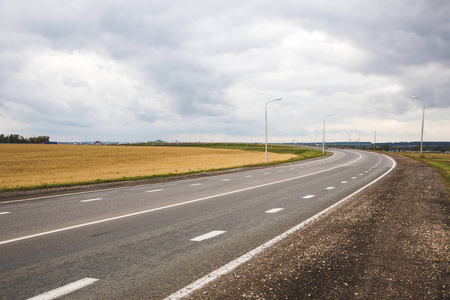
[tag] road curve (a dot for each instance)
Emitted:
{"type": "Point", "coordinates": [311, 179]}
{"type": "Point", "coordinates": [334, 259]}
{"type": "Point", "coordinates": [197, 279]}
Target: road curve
{"type": "Point", "coordinates": [150, 241]}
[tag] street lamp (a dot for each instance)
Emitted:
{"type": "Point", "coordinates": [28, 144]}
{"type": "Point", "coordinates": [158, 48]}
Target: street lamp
{"type": "Point", "coordinates": [375, 138]}
{"type": "Point", "coordinates": [423, 119]}
{"type": "Point", "coordinates": [323, 136]}
{"type": "Point", "coordinates": [278, 99]}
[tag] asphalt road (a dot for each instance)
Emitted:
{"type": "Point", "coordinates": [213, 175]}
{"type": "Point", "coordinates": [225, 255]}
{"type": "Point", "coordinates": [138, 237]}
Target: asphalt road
{"type": "Point", "coordinates": [147, 242]}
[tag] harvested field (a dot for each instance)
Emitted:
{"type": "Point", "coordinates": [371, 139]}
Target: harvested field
{"type": "Point", "coordinates": [41, 165]}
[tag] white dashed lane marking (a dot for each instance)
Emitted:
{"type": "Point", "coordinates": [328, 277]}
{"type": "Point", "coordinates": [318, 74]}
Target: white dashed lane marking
{"type": "Point", "coordinates": [344, 181]}
{"type": "Point", "coordinates": [4, 212]}
{"type": "Point", "coordinates": [330, 188]}
{"type": "Point", "coordinates": [266, 173]}
{"type": "Point", "coordinates": [196, 184]}
{"type": "Point", "coordinates": [153, 191]}
{"type": "Point", "coordinates": [90, 200]}
{"type": "Point", "coordinates": [207, 236]}
{"type": "Point", "coordinates": [248, 176]}
{"type": "Point", "coordinates": [353, 177]}
{"type": "Point", "coordinates": [274, 210]}
{"type": "Point", "coordinates": [64, 290]}
{"type": "Point", "coordinates": [308, 196]}
{"type": "Point", "coordinates": [226, 179]}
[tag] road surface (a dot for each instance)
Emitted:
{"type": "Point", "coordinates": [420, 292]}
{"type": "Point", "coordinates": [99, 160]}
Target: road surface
{"type": "Point", "coordinates": [150, 241]}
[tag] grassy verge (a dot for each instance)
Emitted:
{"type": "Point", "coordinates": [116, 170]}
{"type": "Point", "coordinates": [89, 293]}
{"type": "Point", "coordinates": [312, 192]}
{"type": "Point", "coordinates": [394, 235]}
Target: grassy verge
{"type": "Point", "coordinates": [439, 161]}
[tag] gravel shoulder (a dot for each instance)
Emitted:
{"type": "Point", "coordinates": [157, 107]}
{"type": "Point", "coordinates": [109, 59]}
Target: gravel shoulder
{"type": "Point", "coordinates": [389, 242]}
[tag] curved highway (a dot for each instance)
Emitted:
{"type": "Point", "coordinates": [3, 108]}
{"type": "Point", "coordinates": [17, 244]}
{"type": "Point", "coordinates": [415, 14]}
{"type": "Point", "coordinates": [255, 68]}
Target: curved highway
{"type": "Point", "coordinates": [150, 241]}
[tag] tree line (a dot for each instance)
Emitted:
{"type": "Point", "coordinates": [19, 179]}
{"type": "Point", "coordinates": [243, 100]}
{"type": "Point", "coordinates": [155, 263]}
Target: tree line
{"type": "Point", "coordinates": [18, 139]}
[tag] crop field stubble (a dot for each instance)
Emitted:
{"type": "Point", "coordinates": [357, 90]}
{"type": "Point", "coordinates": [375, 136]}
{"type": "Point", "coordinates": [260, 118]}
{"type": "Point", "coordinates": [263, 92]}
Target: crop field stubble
{"type": "Point", "coordinates": [24, 165]}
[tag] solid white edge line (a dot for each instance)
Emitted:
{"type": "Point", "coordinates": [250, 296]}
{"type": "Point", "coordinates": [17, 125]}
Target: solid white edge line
{"type": "Point", "coordinates": [207, 236]}
{"type": "Point", "coordinates": [170, 206]}
{"type": "Point", "coordinates": [244, 258]}
{"type": "Point", "coordinates": [64, 290]}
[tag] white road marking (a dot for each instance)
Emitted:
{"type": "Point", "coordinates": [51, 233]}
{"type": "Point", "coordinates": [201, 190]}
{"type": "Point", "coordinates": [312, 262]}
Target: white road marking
{"type": "Point", "coordinates": [354, 177]}
{"type": "Point", "coordinates": [266, 173]}
{"type": "Point", "coordinates": [208, 235]}
{"type": "Point", "coordinates": [170, 206]}
{"type": "Point", "coordinates": [291, 169]}
{"type": "Point", "coordinates": [366, 171]}
{"type": "Point", "coordinates": [330, 188]}
{"type": "Point", "coordinates": [196, 184]}
{"type": "Point", "coordinates": [280, 171]}
{"type": "Point", "coordinates": [152, 191]}
{"type": "Point", "coordinates": [249, 255]}
{"type": "Point", "coordinates": [361, 174]}
{"type": "Point", "coordinates": [344, 181]}
{"type": "Point", "coordinates": [248, 176]}
{"type": "Point", "coordinates": [90, 200]}
{"type": "Point", "coordinates": [4, 212]}
{"type": "Point", "coordinates": [64, 290]}
{"type": "Point", "coordinates": [274, 210]}
{"type": "Point", "coordinates": [308, 196]}
{"type": "Point", "coordinates": [226, 179]}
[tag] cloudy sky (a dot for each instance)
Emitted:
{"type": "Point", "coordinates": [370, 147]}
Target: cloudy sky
{"type": "Point", "coordinates": [133, 70]}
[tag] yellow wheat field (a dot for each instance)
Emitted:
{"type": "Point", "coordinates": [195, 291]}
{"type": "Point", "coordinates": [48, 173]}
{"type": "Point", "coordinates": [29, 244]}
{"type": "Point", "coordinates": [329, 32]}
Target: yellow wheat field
{"type": "Point", "coordinates": [31, 165]}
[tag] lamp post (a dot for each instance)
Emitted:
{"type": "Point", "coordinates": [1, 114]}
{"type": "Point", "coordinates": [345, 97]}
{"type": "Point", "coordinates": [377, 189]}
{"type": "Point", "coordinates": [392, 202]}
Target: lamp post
{"type": "Point", "coordinates": [423, 120]}
{"type": "Point", "coordinates": [323, 136]}
{"type": "Point", "coordinates": [278, 99]}
{"type": "Point", "coordinates": [375, 138]}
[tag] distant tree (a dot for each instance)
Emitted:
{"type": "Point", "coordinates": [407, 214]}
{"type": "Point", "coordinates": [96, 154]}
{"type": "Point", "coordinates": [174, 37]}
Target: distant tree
{"type": "Point", "coordinates": [19, 139]}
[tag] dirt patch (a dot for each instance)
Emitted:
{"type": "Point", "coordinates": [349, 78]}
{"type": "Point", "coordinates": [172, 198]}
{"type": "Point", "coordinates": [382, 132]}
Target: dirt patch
{"type": "Point", "coordinates": [389, 242]}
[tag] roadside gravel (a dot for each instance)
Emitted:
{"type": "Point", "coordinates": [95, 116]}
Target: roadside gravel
{"type": "Point", "coordinates": [389, 242]}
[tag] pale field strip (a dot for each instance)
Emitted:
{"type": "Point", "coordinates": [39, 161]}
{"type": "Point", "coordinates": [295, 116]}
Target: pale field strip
{"type": "Point", "coordinates": [31, 165]}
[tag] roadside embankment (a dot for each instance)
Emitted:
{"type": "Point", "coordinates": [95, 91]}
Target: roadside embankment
{"type": "Point", "coordinates": [391, 241]}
